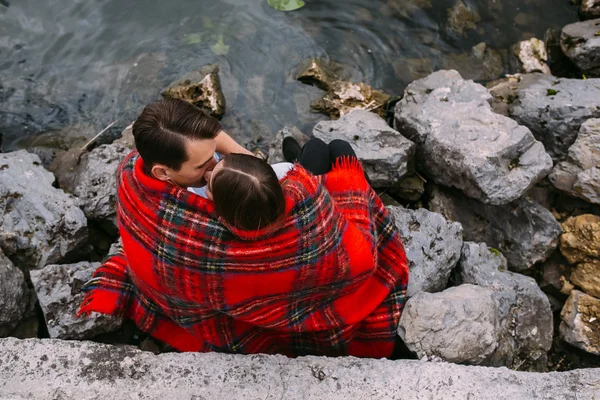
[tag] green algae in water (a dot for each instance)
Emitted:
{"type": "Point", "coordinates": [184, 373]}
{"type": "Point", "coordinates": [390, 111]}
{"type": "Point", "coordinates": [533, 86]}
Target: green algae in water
{"type": "Point", "coordinates": [286, 5]}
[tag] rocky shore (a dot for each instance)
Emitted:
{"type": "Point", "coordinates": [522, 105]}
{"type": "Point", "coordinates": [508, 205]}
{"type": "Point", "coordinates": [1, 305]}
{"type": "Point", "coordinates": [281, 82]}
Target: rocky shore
{"type": "Point", "coordinates": [494, 188]}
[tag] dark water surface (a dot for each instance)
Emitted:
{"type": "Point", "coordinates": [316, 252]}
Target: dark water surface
{"type": "Point", "coordinates": [74, 66]}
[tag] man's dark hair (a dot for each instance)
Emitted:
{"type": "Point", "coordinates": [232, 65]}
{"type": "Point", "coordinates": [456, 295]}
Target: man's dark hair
{"type": "Point", "coordinates": [162, 128]}
{"type": "Point", "coordinates": [247, 193]}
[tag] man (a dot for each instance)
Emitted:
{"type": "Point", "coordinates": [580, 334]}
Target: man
{"type": "Point", "coordinates": [327, 278]}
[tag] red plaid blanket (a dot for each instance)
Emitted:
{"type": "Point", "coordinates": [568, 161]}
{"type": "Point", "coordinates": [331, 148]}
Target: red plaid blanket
{"type": "Point", "coordinates": [329, 280]}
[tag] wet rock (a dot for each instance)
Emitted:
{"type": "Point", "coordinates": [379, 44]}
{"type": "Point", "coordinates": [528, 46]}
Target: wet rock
{"type": "Point", "coordinates": [386, 155]}
{"type": "Point", "coordinates": [462, 18]}
{"type": "Point", "coordinates": [275, 149]}
{"type": "Point", "coordinates": [432, 247]}
{"type": "Point", "coordinates": [552, 108]}
{"type": "Point", "coordinates": [531, 56]}
{"type": "Point", "coordinates": [581, 43]}
{"type": "Point", "coordinates": [580, 324]}
{"type": "Point", "coordinates": [13, 296]}
{"type": "Point", "coordinates": [411, 69]}
{"type": "Point", "coordinates": [321, 73]}
{"type": "Point", "coordinates": [525, 315]}
{"type": "Point", "coordinates": [39, 224]}
{"type": "Point", "coordinates": [480, 63]}
{"type": "Point", "coordinates": [579, 174]}
{"type": "Point", "coordinates": [525, 232]}
{"type": "Point", "coordinates": [405, 8]}
{"type": "Point", "coordinates": [409, 188]}
{"type": "Point", "coordinates": [201, 88]}
{"type": "Point", "coordinates": [458, 325]}
{"type": "Point", "coordinates": [343, 97]}
{"type": "Point", "coordinates": [58, 289]}
{"type": "Point", "coordinates": [580, 241]}
{"type": "Point", "coordinates": [462, 143]}
{"type": "Point", "coordinates": [589, 9]}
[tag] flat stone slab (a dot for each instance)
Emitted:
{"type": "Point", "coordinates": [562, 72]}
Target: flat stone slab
{"type": "Point", "coordinates": [54, 369]}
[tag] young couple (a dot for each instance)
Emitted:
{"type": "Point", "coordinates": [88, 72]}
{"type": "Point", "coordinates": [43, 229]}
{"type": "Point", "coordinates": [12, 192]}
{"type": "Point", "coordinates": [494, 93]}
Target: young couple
{"type": "Point", "coordinates": [240, 256]}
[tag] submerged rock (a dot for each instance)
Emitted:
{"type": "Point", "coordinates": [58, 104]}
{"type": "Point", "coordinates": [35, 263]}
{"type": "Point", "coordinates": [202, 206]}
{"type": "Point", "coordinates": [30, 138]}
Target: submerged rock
{"type": "Point", "coordinates": [386, 155]}
{"type": "Point", "coordinates": [343, 97]}
{"type": "Point", "coordinates": [201, 88]}
{"type": "Point", "coordinates": [532, 56]}
{"type": "Point", "coordinates": [39, 224]}
{"type": "Point", "coordinates": [321, 73]}
{"type": "Point", "coordinates": [580, 324]}
{"type": "Point", "coordinates": [462, 18]}
{"type": "Point", "coordinates": [432, 247]}
{"type": "Point", "coordinates": [589, 9]}
{"type": "Point", "coordinates": [480, 63]}
{"type": "Point", "coordinates": [58, 289]}
{"type": "Point", "coordinates": [581, 43]}
{"type": "Point", "coordinates": [552, 108]}
{"type": "Point", "coordinates": [579, 174]}
{"type": "Point", "coordinates": [459, 325]}
{"type": "Point", "coordinates": [526, 323]}
{"type": "Point", "coordinates": [524, 231]}
{"type": "Point", "coordinates": [13, 296]}
{"type": "Point", "coordinates": [462, 143]}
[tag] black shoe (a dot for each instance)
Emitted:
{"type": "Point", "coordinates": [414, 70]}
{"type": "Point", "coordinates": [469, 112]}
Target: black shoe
{"type": "Point", "coordinates": [291, 149]}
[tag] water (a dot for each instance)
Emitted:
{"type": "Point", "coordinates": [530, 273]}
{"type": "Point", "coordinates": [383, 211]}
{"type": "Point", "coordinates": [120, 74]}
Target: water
{"type": "Point", "coordinates": [74, 66]}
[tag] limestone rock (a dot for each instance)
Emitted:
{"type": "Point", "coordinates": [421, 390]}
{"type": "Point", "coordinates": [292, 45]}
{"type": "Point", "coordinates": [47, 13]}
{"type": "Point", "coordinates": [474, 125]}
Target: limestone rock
{"type": "Point", "coordinates": [201, 88]}
{"type": "Point", "coordinates": [386, 155]}
{"type": "Point", "coordinates": [39, 224]}
{"type": "Point", "coordinates": [432, 247]}
{"type": "Point", "coordinates": [525, 314]}
{"type": "Point", "coordinates": [589, 9]}
{"type": "Point", "coordinates": [524, 231]}
{"type": "Point", "coordinates": [321, 73]}
{"type": "Point", "coordinates": [275, 149]}
{"type": "Point", "coordinates": [532, 56]}
{"type": "Point", "coordinates": [457, 325]}
{"type": "Point", "coordinates": [58, 289]}
{"type": "Point", "coordinates": [580, 241]}
{"type": "Point", "coordinates": [552, 108]}
{"type": "Point", "coordinates": [344, 96]}
{"type": "Point", "coordinates": [462, 18]}
{"type": "Point", "coordinates": [579, 174]}
{"type": "Point", "coordinates": [586, 275]}
{"type": "Point", "coordinates": [462, 143]}
{"type": "Point", "coordinates": [581, 43]}
{"type": "Point", "coordinates": [480, 63]}
{"type": "Point", "coordinates": [580, 324]}
{"type": "Point", "coordinates": [13, 295]}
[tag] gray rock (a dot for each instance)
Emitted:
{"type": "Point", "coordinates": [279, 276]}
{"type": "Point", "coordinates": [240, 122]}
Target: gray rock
{"type": "Point", "coordinates": [579, 174]}
{"type": "Point", "coordinates": [589, 9]}
{"type": "Point", "coordinates": [581, 43]}
{"type": "Point", "coordinates": [386, 155]}
{"type": "Point", "coordinates": [39, 224]}
{"type": "Point", "coordinates": [525, 314]}
{"type": "Point", "coordinates": [432, 247]}
{"type": "Point", "coordinates": [409, 188]}
{"type": "Point", "coordinates": [457, 325]}
{"type": "Point", "coordinates": [580, 324]}
{"type": "Point", "coordinates": [13, 296]}
{"type": "Point", "coordinates": [58, 289]}
{"type": "Point", "coordinates": [462, 143]}
{"type": "Point", "coordinates": [532, 56]}
{"type": "Point", "coordinates": [95, 182]}
{"type": "Point", "coordinates": [553, 108]}
{"type": "Point", "coordinates": [275, 151]}
{"type": "Point", "coordinates": [116, 247]}
{"type": "Point", "coordinates": [73, 370]}
{"type": "Point", "coordinates": [525, 232]}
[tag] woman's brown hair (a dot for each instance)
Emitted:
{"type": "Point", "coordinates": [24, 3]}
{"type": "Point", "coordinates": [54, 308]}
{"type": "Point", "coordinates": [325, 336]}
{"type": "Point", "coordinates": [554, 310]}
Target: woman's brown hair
{"type": "Point", "coordinates": [247, 193]}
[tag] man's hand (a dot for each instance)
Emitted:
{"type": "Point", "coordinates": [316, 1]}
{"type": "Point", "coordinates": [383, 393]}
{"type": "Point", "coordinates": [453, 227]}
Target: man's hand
{"type": "Point", "coordinates": [226, 145]}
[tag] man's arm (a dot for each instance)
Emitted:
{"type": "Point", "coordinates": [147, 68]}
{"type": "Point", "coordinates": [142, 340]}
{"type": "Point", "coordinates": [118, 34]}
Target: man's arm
{"type": "Point", "coordinates": [226, 145]}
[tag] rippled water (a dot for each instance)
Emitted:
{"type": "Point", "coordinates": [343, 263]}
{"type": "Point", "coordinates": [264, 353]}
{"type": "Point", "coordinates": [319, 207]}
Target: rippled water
{"type": "Point", "coordinates": [74, 66]}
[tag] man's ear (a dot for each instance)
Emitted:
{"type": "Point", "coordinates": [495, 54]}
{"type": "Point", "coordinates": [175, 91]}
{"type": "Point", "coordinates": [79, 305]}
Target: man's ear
{"type": "Point", "coordinates": [159, 171]}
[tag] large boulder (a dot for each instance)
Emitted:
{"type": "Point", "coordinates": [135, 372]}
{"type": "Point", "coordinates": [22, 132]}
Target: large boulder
{"type": "Point", "coordinates": [580, 324]}
{"type": "Point", "coordinates": [525, 313]}
{"type": "Point", "coordinates": [524, 231]}
{"type": "Point", "coordinates": [432, 247]}
{"type": "Point", "coordinates": [579, 174]}
{"type": "Point", "coordinates": [462, 143]}
{"type": "Point", "coordinates": [552, 108]}
{"type": "Point", "coordinates": [39, 224]}
{"type": "Point", "coordinates": [13, 296]}
{"type": "Point", "coordinates": [58, 289]}
{"type": "Point", "coordinates": [581, 43]}
{"type": "Point", "coordinates": [459, 325]}
{"type": "Point", "coordinates": [386, 155]}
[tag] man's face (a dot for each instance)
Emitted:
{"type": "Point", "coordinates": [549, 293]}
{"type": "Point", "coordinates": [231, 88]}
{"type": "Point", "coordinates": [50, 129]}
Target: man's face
{"type": "Point", "coordinates": [200, 160]}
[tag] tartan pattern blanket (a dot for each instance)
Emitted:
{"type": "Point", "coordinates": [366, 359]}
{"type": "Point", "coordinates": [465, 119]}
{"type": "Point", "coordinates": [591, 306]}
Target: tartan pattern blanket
{"type": "Point", "coordinates": [329, 279]}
